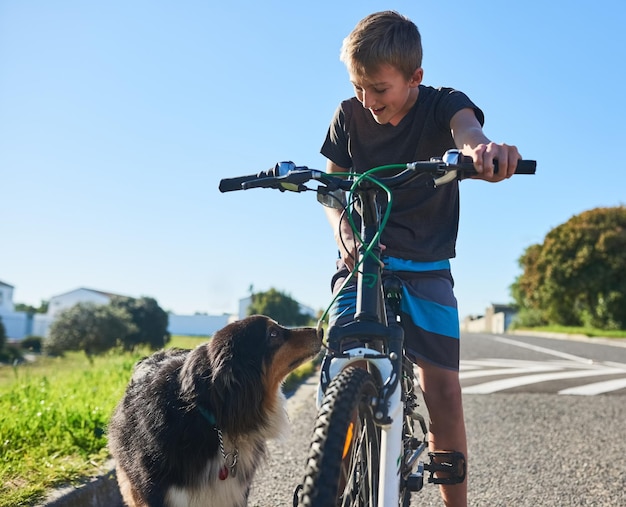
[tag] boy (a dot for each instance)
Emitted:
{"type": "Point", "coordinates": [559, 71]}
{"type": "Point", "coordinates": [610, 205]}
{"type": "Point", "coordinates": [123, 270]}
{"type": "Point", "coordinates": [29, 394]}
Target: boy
{"type": "Point", "coordinates": [394, 119]}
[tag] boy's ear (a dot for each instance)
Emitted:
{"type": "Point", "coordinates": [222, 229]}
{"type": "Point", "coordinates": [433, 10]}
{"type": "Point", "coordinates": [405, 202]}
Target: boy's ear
{"type": "Point", "coordinates": [417, 77]}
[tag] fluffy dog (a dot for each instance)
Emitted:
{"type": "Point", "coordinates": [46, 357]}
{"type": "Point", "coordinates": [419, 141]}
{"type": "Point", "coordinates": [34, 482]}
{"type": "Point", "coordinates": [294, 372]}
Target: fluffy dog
{"type": "Point", "coordinates": [192, 426]}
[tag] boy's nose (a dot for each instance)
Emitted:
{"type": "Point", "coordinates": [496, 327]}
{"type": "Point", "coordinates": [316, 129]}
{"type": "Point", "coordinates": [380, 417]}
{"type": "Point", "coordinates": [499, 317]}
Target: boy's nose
{"type": "Point", "coordinates": [366, 101]}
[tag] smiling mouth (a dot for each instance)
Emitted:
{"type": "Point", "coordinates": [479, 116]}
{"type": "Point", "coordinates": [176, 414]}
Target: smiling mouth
{"type": "Point", "coordinates": [377, 111]}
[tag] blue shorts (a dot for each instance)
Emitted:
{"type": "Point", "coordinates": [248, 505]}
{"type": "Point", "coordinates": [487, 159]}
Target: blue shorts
{"type": "Point", "coordinates": [429, 311]}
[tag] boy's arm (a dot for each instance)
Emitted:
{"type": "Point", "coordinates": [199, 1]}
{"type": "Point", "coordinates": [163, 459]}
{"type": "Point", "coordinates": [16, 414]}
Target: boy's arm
{"type": "Point", "coordinates": [469, 137]}
{"type": "Point", "coordinates": [344, 236]}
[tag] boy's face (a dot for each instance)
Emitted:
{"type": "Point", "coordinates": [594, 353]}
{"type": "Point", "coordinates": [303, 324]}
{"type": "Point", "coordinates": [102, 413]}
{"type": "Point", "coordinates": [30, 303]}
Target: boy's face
{"type": "Point", "coordinates": [387, 93]}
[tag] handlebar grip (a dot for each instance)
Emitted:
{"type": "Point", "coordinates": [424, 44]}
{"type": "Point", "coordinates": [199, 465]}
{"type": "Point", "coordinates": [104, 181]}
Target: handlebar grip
{"type": "Point", "coordinates": [526, 167]}
{"type": "Point", "coordinates": [523, 166]}
{"type": "Point", "coordinates": [232, 184]}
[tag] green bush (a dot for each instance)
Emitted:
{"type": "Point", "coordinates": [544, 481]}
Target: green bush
{"type": "Point", "coordinates": [528, 317]}
{"type": "Point", "coordinates": [11, 354]}
{"type": "Point", "coordinates": [32, 344]}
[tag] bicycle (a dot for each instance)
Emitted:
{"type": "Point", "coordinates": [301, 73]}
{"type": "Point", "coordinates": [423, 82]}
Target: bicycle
{"type": "Point", "coordinates": [369, 436]}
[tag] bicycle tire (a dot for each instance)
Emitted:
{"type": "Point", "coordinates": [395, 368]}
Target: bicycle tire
{"type": "Point", "coordinates": [342, 467]}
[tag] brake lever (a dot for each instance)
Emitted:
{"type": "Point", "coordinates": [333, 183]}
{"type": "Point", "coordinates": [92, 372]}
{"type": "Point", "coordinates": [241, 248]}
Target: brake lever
{"type": "Point", "coordinates": [448, 176]}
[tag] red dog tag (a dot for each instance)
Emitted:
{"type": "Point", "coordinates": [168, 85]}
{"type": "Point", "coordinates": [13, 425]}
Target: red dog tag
{"type": "Point", "coordinates": [223, 473]}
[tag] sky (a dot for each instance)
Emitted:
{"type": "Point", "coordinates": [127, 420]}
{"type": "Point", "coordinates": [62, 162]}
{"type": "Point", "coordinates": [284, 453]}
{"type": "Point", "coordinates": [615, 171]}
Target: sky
{"type": "Point", "coordinates": [119, 118]}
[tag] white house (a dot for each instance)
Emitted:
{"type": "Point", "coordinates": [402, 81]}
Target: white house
{"type": "Point", "coordinates": [6, 298]}
{"type": "Point", "coordinates": [14, 322]}
{"type": "Point", "coordinates": [496, 320]}
{"type": "Point", "coordinates": [81, 295]}
{"type": "Point", "coordinates": [18, 325]}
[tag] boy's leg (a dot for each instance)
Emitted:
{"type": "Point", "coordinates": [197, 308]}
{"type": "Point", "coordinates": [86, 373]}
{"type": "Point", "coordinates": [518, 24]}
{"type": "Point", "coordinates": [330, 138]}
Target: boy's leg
{"type": "Point", "coordinates": [442, 394]}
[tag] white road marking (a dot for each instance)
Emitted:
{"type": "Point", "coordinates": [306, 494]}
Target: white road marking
{"type": "Point", "coordinates": [520, 372]}
{"type": "Point", "coordinates": [596, 388]}
{"type": "Point", "coordinates": [544, 350]}
{"type": "Point", "coordinates": [536, 368]}
{"type": "Point", "coordinates": [510, 383]}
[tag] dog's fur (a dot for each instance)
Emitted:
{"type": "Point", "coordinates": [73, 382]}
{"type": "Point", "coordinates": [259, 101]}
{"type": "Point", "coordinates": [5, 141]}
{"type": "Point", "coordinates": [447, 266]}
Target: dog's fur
{"type": "Point", "coordinates": [161, 435]}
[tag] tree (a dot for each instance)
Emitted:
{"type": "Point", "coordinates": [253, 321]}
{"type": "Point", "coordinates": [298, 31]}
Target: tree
{"type": "Point", "coordinates": [279, 306]}
{"type": "Point", "coordinates": [43, 307]}
{"type": "Point", "coordinates": [577, 276]}
{"type": "Point", "coordinates": [89, 327]}
{"type": "Point", "coordinates": [150, 320]}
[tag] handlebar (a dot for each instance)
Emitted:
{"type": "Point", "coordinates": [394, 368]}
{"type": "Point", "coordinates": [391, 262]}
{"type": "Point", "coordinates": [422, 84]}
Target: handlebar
{"type": "Point", "coordinates": [287, 176]}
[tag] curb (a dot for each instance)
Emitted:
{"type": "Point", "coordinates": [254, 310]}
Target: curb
{"type": "Point", "coordinates": [100, 491]}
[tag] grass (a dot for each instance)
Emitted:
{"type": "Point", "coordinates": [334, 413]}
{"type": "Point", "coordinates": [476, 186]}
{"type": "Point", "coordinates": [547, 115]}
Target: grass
{"type": "Point", "coordinates": [586, 331]}
{"type": "Point", "coordinates": [53, 418]}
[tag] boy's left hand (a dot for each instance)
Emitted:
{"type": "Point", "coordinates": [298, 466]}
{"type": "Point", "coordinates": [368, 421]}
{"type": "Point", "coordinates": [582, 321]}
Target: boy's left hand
{"type": "Point", "coordinates": [484, 155]}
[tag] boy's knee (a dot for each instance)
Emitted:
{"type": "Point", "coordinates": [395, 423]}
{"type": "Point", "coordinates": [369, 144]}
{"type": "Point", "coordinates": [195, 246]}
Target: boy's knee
{"type": "Point", "coordinates": [444, 396]}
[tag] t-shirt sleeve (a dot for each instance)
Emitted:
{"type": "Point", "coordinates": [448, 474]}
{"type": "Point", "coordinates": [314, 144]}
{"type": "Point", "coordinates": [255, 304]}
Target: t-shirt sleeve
{"type": "Point", "coordinates": [452, 102]}
{"type": "Point", "coordinates": [335, 147]}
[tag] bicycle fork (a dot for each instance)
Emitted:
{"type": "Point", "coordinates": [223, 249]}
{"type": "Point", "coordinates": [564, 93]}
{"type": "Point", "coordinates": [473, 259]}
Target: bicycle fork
{"type": "Point", "coordinates": [392, 451]}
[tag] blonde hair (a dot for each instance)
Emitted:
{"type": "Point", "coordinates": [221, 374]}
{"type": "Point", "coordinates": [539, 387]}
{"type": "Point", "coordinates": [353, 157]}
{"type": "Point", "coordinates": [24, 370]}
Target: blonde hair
{"type": "Point", "coordinates": [383, 38]}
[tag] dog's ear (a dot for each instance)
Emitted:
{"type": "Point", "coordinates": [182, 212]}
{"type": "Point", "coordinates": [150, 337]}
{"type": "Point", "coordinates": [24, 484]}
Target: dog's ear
{"type": "Point", "coordinates": [237, 354]}
{"type": "Point", "coordinates": [195, 376]}
{"type": "Point", "coordinates": [236, 395]}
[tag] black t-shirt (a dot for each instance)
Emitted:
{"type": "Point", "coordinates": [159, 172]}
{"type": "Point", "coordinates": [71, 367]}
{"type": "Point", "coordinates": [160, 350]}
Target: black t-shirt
{"type": "Point", "coordinates": [423, 223]}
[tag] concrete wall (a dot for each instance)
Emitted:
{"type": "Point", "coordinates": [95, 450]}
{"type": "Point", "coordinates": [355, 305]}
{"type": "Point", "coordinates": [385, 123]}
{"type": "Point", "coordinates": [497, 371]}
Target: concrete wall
{"type": "Point", "coordinates": [197, 325]}
{"type": "Point", "coordinates": [491, 322]}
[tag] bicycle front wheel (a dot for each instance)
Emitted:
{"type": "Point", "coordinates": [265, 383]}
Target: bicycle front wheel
{"type": "Point", "coordinates": [342, 467]}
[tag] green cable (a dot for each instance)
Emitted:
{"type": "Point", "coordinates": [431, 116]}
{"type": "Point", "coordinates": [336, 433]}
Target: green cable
{"type": "Point", "coordinates": [369, 247]}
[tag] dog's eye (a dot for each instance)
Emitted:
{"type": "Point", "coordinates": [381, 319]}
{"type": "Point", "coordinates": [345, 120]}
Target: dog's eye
{"type": "Point", "coordinates": [275, 336]}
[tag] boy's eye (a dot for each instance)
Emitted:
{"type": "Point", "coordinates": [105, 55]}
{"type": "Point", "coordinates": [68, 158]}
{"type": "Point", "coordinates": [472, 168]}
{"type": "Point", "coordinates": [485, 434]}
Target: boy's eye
{"type": "Point", "coordinates": [378, 91]}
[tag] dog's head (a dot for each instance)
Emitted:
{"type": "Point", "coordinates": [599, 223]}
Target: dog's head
{"type": "Point", "coordinates": [247, 361]}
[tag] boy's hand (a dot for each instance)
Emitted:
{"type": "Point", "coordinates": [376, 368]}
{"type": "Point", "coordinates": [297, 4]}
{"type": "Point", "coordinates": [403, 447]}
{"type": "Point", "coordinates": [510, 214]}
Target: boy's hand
{"type": "Point", "coordinates": [469, 137]}
{"type": "Point", "coordinates": [484, 155]}
{"type": "Point", "coordinates": [349, 251]}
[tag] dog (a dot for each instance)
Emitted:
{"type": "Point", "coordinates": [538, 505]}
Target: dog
{"type": "Point", "coordinates": [192, 426]}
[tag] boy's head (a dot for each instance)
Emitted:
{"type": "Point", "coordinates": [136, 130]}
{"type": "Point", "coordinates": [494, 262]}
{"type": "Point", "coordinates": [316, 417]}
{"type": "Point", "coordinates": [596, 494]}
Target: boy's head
{"type": "Point", "coordinates": [383, 38]}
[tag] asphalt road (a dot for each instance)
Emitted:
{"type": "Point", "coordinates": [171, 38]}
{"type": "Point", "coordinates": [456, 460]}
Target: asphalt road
{"type": "Point", "coordinates": [546, 422]}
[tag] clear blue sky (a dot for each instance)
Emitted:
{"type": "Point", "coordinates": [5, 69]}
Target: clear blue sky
{"type": "Point", "coordinates": [118, 119]}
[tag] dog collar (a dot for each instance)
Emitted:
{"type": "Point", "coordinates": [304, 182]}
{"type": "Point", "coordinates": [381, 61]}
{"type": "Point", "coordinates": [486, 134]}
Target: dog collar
{"type": "Point", "coordinates": [208, 416]}
{"type": "Point", "coordinates": [230, 458]}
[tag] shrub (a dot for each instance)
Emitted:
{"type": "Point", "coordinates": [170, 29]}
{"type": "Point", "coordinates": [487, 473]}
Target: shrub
{"type": "Point", "coordinates": [32, 343]}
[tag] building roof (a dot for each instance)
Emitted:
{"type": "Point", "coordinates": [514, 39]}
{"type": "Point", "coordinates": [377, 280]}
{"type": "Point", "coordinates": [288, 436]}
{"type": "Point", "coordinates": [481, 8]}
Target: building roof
{"type": "Point", "coordinates": [3, 284]}
{"type": "Point", "coordinates": [101, 292]}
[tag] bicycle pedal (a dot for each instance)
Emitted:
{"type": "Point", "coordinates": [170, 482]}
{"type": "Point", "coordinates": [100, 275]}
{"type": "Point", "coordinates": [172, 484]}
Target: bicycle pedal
{"type": "Point", "coordinates": [450, 463]}
{"type": "Point", "coordinates": [415, 481]}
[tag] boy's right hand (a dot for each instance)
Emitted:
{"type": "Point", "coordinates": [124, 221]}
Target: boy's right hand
{"type": "Point", "coordinates": [485, 153]}
{"type": "Point", "coordinates": [349, 251]}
